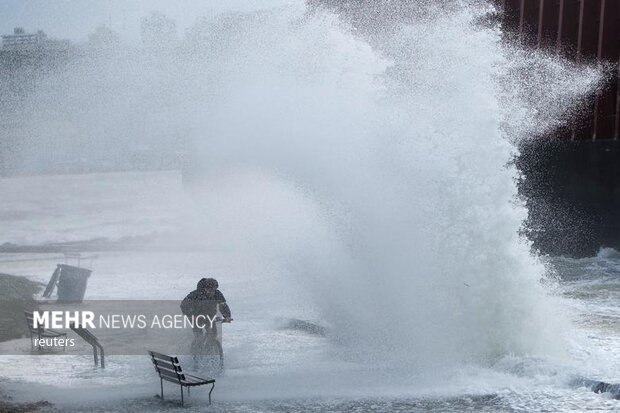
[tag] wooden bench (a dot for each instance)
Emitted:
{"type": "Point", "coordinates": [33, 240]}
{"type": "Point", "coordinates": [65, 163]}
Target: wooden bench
{"type": "Point", "coordinates": [169, 369]}
{"type": "Point", "coordinates": [40, 332]}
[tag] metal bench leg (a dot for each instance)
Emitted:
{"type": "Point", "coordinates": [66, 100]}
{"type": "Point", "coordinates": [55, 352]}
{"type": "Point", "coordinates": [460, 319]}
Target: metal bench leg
{"type": "Point", "coordinates": [161, 383]}
{"type": "Point", "coordinates": [212, 386]}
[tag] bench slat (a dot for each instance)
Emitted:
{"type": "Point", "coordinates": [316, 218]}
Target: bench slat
{"type": "Point", "coordinates": [87, 335]}
{"type": "Point", "coordinates": [176, 381]}
{"type": "Point", "coordinates": [165, 369]}
{"type": "Point", "coordinates": [196, 378]}
{"type": "Point", "coordinates": [194, 382]}
{"type": "Point", "coordinates": [51, 333]}
{"type": "Point", "coordinates": [165, 364]}
{"type": "Point", "coordinates": [30, 322]}
{"type": "Point", "coordinates": [164, 357]}
{"type": "Point", "coordinates": [171, 374]}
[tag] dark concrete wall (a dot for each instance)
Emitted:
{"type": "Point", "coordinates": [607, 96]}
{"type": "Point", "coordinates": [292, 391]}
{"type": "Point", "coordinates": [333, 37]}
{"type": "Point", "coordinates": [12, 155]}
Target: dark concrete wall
{"type": "Point", "coordinates": [571, 180]}
{"type": "Point", "coordinates": [572, 190]}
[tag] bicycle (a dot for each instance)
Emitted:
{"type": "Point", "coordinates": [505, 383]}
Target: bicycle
{"type": "Point", "coordinates": [206, 348]}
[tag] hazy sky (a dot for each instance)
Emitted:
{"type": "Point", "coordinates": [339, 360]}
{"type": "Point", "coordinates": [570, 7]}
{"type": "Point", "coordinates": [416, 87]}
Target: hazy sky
{"type": "Point", "coordinates": [75, 19]}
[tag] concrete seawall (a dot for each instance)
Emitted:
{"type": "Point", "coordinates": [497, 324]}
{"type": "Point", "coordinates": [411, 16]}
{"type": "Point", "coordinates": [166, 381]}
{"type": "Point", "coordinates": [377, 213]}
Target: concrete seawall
{"type": "Point", "coordinates": [572, 191]}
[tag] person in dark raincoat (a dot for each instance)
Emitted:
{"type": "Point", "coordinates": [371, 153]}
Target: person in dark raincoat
{"type": "Point", "coordinates": [204, 300]}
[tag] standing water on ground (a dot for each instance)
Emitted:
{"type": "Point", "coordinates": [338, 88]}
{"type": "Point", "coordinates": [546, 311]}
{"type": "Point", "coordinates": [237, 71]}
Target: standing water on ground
{"type": "Point", "coordinates": [356, 176]}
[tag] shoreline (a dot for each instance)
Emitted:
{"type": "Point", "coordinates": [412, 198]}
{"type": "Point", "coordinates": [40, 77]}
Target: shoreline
{"type": "Point", "coordinates": [13, 289]}
{"type": "Point", "coordinates": [9, 407]}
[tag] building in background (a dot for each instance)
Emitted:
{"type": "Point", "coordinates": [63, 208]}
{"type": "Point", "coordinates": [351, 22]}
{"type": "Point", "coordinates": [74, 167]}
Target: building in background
{"type": "Point", "coordinates": [21, 40]}
{"type": "Point", "coordinates": [25, 58]}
